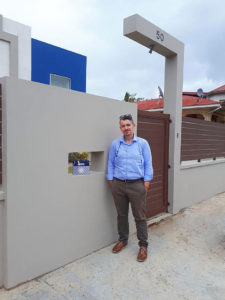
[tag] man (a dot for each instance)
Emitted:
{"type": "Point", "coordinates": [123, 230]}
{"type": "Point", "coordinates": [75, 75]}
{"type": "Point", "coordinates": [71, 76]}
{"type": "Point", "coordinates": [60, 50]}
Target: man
{"type": "Point", "coordinates": [129, 175]}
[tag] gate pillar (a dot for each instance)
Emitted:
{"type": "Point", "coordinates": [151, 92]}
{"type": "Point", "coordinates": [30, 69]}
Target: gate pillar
{"type": "Point", "coordinates": [156, 39]}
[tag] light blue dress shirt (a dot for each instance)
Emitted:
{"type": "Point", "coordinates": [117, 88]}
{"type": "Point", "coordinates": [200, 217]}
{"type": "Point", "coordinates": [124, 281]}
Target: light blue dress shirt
{"type": "Point", "coordinates": [130, 161]}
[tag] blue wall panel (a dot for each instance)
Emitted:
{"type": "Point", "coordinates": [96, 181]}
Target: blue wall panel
{"type": "Point", "coordinates": [48, 59]}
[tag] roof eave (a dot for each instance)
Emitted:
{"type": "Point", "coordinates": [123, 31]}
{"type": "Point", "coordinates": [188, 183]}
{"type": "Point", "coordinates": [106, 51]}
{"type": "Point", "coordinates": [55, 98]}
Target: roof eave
{"type": "Point", "coordinates": [186, 107]}
{"type": "Point", "coordinates": [201, 106]}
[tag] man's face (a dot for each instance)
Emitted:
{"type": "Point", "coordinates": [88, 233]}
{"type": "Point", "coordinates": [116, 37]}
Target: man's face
{"type": "Point", "coordinates": [127, 127]}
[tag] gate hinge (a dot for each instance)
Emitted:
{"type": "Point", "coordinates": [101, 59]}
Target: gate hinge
{"type": "Point", "coordinates": [170, 121]}
{"type": "Point", "coordinates": [168, 203]}
{"type": "Point", "coordinates": [169, 166]}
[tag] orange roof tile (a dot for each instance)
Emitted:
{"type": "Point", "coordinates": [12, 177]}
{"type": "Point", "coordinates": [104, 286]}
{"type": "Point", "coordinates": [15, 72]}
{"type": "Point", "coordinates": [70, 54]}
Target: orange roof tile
{"type": "Point", "coordinates": [187, 101]}
{"type": "Point", "coordinates": [218, 90]}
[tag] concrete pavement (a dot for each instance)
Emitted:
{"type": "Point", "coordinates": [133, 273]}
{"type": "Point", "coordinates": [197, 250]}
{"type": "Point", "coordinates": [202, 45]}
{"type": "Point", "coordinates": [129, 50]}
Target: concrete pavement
{"type": "Point", "coordinates": [186, 261]}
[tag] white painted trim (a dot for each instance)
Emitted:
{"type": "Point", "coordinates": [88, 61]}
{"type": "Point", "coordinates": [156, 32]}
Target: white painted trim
{"type": "Point", "coordinates": [188, 107]}
{"type": "Point", "coordinates": [194, 164]}
{"type": "Point", "coordinates": [157, 109]}
{"type": "Point", "coordinates": [201, 106]}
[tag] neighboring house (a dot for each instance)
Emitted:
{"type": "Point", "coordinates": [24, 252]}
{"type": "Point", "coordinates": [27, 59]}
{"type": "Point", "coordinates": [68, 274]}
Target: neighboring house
{"type": "Point", "coordinates": [30, 59]}
{"type": "Point", "coordinates": [209, 107]}
{"type": "Point", "coordinates": [56, 66]}
{"type": "Point", "coordinates": [218, 94]}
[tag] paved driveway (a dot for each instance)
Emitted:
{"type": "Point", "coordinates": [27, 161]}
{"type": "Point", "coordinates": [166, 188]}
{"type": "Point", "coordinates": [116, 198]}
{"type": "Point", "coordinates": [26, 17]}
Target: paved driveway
{"type": "Point", "coordinates": [186, 261]}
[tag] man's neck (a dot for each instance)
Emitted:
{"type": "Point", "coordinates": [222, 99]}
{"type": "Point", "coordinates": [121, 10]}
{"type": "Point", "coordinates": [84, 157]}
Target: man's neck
{"type": "Point", "coordinates": [128, 139]}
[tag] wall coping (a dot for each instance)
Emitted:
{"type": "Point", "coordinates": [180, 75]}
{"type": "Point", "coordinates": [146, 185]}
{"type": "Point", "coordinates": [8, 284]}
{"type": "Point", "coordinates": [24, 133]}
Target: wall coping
{"type": "Point", "coordinates": [203, 163]}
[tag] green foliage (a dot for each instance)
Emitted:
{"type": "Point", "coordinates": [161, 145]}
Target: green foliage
{"type": "Point", "coordinates": [78, 156]}
{"type": "Point", "coordinates": [131, 98]}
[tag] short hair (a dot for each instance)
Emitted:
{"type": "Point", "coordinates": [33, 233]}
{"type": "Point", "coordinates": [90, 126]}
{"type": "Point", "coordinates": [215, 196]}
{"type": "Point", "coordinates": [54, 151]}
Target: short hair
{"type": "Point", "coordinates": [127, 117]}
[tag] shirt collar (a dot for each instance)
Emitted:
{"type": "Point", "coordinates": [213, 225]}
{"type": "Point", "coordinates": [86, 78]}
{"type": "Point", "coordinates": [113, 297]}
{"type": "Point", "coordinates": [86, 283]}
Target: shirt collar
{"type": "Point", "coordinates": [122, 140]}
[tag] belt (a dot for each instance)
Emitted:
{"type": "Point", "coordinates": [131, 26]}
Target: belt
{"type": "Point", "coordinates": [129, 180]}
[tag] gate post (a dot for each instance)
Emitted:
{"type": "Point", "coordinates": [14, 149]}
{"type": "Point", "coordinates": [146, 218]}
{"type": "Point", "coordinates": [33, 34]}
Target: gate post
{"type": "Point", "coordinates": [156, 39]}
{"type": "Point", "coordinates": [173, 106]}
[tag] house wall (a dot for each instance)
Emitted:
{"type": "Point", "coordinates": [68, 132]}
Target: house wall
{"type": "Point", "coordinates": [217, 97]}
{"type": "Point", "coordinates": [48, 59]}
{"type": "Point", "coordinates": [204, 112]}
{"type": "Point", "coordinates": [53, 218]}
{"type": "Point", "coordinates": [31, 59]}
{"type": "Point", "coordinates": [23, 33]}
{"type": "Point", "coordinates": [220, 117]}
{"type": "Point", "coordinates": [200, 181]}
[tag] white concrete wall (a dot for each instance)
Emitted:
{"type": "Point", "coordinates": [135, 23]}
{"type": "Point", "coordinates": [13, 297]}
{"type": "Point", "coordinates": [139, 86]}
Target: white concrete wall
{"type": "Point", "coordinates": [200, 182]}
{"type": "Point", "coordinates": [24, 46]}
{"type": "Point", "coordinates": [218, 97]}
{"type": "Point", "coordinates": [54, 218]}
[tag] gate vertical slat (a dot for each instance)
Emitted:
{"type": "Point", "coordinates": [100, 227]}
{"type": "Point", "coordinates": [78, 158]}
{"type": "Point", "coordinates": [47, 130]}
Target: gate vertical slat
{"type": "Point", "coordinates": [154, 127]}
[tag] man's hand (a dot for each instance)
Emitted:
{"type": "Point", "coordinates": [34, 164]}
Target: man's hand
{"type": "Point", "coordinates": [147, 185]}
{"type": "Point", "coordinates": [110, 182]}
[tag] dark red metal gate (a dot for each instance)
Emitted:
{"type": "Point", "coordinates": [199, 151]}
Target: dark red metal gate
{"type": "Point", "coordinates": [154, 127]}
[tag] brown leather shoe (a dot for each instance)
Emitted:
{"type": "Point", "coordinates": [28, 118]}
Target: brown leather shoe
{"type": "Point", "coordinates": [142, 254]}
{"type": "Point", "coordinates": [119, 246]}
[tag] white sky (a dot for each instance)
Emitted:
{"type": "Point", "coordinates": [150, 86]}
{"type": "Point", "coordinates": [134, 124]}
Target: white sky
{"type": "Point", "coordinates": [116, 64]}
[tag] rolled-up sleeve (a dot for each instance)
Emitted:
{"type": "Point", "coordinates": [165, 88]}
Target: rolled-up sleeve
{"type": "Point", "coordinates": [148, 169]}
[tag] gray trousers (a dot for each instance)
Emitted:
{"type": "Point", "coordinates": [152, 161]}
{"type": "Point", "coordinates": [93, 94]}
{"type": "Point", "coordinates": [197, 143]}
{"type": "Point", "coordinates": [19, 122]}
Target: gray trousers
{"type": "Point", "coordinates": [135, 194]}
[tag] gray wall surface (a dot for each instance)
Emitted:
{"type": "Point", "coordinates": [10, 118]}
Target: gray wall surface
{"type": "Point", "coordinates": [1, 243]}
{"type": "Point", "coordinates": [50, 218]}
{"type": "Point", "coordinates": [200, 183]}
{"type": "Point", "coordinates": [54, 218]}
